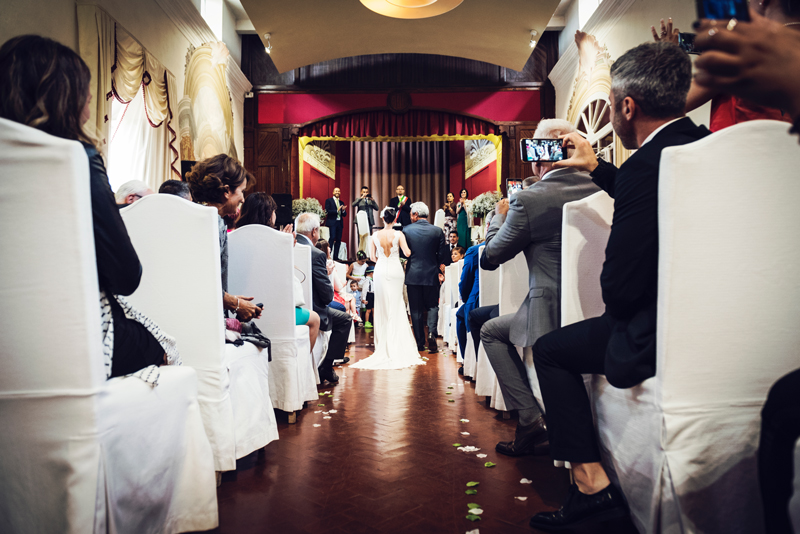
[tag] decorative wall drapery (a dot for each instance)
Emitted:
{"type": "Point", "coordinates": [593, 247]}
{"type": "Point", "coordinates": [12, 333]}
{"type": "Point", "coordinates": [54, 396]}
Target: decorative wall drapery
{"type": "Point", "coordinates": [120, 66]}
{"type": "Point", "coordinates": [423, 168]}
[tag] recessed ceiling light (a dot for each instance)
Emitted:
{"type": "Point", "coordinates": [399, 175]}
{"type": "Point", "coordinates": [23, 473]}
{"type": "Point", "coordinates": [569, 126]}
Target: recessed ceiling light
{"type": "Point", "coordinates": [411, 9]}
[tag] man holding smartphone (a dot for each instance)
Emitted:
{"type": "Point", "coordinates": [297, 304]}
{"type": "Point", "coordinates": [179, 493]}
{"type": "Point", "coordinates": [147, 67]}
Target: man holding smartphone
{"type": "Point", "coordinates": [366, 203]}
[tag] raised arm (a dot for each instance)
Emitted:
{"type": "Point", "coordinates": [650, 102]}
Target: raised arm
{"type": "Point", "coordinates": [584, 159]}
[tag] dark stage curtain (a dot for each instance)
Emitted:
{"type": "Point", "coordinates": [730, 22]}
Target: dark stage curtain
{"type": "Point", "coordinates": [414, 123]}
{"type": "Point", "coordinates": [423, 168]}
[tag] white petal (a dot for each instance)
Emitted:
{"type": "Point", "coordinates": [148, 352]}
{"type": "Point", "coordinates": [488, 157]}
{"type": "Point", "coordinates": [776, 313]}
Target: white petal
{"type": "Point", "coordinates": [525, 481]}
{"type": "Point", "coordinates": [521, 498]}
{"type": "Point", "coordinates": [317, 425]}
{"type": "Point", "coordinates": [476, 511]}
{"type": "Point", "coordinates": [327, 417]}
{"type": "Point", "coordinates": [465, 433]}
{"type": "Point", "coordinates": [465, 420]}
{"type": "Point", "coordinates": [336, 399]}
{"type": "Point", "coordinates": [331, 411]}
{"type": "Point", "coordinates": [476, 531]}
{"type": "Point", "coordinates": [452, 383]}
{"type": "Point", "coordinates": [318, 411]}
{"type": "Point", "coordinates": [481, 455]}
{"type": "Point", "coordinates": [325, 413]}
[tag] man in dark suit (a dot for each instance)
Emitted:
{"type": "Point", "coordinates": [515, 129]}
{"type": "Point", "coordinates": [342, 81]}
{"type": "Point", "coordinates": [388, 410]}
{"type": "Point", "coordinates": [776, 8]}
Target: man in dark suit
{"type": "Point", "coordinates": [307, 228]}
{"type": "Point", "coordinates": [531, 223]}
{"type": "Point", "coordinates": [429, 253]}
{"type": "Point", "coordinates": [648, 97]}
{"type": "Point", "coordinates": [335, 211]}
{"type": "Point", "coordinates": [366, 204]}
{"type": "Point", "coordinates": [403, 206]}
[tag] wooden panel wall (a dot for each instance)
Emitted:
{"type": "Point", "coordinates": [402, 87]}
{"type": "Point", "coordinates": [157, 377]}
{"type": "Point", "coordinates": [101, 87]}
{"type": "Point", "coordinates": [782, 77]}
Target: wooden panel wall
{"type": "Point", "coordinates": [270, 154]}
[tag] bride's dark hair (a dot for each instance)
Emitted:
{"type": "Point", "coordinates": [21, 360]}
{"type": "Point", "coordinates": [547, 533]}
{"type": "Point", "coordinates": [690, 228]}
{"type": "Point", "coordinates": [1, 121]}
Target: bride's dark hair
{"type": "Point", "coordinates": [389, 215]}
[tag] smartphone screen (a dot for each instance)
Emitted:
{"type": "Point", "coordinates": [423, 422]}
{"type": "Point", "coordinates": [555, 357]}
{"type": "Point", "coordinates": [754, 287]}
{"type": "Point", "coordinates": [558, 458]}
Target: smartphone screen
{"type": "Point", "coordinates": [723, 9]}
{"type": "Point", "coordinates": [541, 149]}
{"type": "Point", "coordinates": [686, 42]}
{"type": "Point", "coordinates": [513, 187]}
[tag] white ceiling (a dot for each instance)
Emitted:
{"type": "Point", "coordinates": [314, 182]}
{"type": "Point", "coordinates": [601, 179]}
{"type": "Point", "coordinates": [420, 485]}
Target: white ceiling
{"type": "Point", "coordinates": [306, 32]}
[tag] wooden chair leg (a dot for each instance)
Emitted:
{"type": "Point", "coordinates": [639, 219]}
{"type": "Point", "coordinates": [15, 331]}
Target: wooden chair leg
{"type": "Point", "coordinates": [506, 415]}
{"type": "Point", "coordinates": [487, 401]}
{"type": "Point", "coordinates": [292, 418]}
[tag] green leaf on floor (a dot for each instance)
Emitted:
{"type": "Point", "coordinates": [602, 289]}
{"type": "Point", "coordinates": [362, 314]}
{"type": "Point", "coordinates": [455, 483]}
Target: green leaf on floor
{"type": "Point", "coordinates": [322, 393]}
{"type": "Point", "coordinates": [449, 393]}
{"type": "Point", "coordinates": [451, 400]}
{"type": "Point", "coordinates": [320, 405]}
{"type": "Point", "coordinates": [449, 387]}
{"type": "Point", "coordinates": [471, 492]}
{"type": "Point", "coordinates": [490, 464]}
{"type": "Point", "coordinates": [472, 505]}
{"type": "Point", "coordinates": [473, 517]}
{"type": "Point", "coordinates": [472, 484]}
{"type": "Point", "coordinates": [456, 444]}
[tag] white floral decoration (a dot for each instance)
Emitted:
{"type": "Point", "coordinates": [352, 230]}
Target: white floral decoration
{"type": "Point", "coordinates": [484, 203]}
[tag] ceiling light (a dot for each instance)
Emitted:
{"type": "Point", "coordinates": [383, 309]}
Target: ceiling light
{"type": "Point", "coordinates": [411, 9]}
{"type": "Point", "coordinates": [268, 48]}
{"type": "Point", "coordinates": [534, 33]}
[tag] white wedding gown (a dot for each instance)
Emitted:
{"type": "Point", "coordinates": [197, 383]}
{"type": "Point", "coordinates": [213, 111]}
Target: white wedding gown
{"type": "Point", "coordinates": [395, 347]}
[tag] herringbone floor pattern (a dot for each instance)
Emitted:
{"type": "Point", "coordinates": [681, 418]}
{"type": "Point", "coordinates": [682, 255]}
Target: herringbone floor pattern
{"type": "Point", "coordinates": [383, 461]}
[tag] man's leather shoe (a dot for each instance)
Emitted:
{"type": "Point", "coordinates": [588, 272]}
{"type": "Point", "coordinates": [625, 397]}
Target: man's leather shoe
{"type": "Point", "coordinates": [329, 375]}
{"type": "Point", "coordinates": [461, 370]}
{"type": "Point", "coordinates": [433, 346]}
{"type": "Point", "coordinates": [531, 439]}
{"type": "Point", "coordinates": [343, 361]}
{"type": "Point", "coordinates": [579, 508]}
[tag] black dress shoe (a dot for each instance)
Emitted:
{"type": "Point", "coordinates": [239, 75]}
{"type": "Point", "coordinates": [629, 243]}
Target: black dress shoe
{"type": "Point", "coordinates": [329, 375]}
{"type": "Point", "coordinates": [461, 370]}
{"type": "Point", "coordinates": [580, 508]}
{"type": "Point", "coordinates": [531, 439]}
{"type": "Point", "coordinates": [433, 346]}
{"type": "Point", "coordinates": [343, 361]}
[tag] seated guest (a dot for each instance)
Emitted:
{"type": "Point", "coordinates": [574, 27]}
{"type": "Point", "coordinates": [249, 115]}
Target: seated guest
{"type": "Point", "coordinates": [260, 208]}
{"type": "Point", "coordinates": [307, 227]}
{"type": "Point", "coordinates": [177, 188]}
{"type": "Point", "coordinates": [45, 85]}
{"type": "Point", "coordinates": [453, 240]}
{"type": "Point", "coordinates": [469, 289]}
{"type": "Point", "coordinates": [130, 192]}
{"type": "Point", "coordinates": [649, 85]}
{"type": "Point", "coordinates": [529, 181]}
{"type": "Point", "coordinates": [457, 254]}
{"type": "Point", "coordinates": [531, 223]}
{"type": "Point", "coordinates": [219, 182]}
{"type": "Point", "coordinates": [342, 300]}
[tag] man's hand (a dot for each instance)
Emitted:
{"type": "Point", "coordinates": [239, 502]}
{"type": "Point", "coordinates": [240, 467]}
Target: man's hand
{"type": "Point", "coordinates": [288, 229]}
{"type": "Point", "coordinates": [668, 34]}
{"type": "Point", "coordinates": [757, 60]}
{"type": "Point", "coordinates": [441, 278]}
{"type": "Point", "coordinates": [501, 208]}
{"type": "Point", "coordinates": [582, 159]}
{"type": "Point", "coordinates": [247, 310]}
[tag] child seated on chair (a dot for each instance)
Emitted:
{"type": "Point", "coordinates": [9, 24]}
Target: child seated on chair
{"type": "Point", "coordinates": [457, 254]}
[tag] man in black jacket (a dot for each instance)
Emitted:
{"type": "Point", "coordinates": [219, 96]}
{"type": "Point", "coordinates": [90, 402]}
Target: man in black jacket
{"type": "Point", "coordinates": [429, 252]}
{"type": "Point", "coordinates": [403, 206]}
{"type": "Point", "coordinates": [648, 97]}
{"type": "Point", "coordinates": [307, 228]}
{"type": "Point", "coordinates": [335, 211]}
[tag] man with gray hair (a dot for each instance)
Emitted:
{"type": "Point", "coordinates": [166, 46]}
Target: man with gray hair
{"type": "Point", "coordinates": [307, 228]}
{"type": "Point", "coordinates": [429, 255]}
{"type": "Point", "coordinates": [130, 192]}
{"type": "Point", "coordinates": [649, 86]}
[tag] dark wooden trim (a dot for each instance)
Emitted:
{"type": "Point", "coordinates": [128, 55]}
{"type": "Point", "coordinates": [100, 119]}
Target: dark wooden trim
{"type": "Point", "coordinates": [293, 89]}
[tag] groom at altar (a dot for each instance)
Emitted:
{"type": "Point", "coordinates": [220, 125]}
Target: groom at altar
{"type": "Point", "coordinates": [429, 255]}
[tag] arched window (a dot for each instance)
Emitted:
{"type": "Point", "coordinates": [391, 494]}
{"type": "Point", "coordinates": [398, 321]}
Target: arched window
{"type": "Point", "coordinates": [594, 123]}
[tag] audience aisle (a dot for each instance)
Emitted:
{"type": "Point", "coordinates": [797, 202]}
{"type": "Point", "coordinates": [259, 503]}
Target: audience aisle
{"type": "Point", "coordinates": [383, 460]}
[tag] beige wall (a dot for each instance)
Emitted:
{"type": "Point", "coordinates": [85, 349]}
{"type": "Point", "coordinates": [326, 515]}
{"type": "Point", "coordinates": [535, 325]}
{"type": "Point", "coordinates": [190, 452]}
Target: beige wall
{"type": "Point", "coordinates": [57, 19]}
{"type": "Point", "coordinates": [632, 28]}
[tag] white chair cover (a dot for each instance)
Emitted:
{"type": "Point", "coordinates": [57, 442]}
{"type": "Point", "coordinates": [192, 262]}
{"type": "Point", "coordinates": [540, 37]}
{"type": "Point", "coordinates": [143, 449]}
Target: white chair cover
{"type": "Point", "coordinates": [77, 450]}
{"type": "Point", "coordinates": [362, 222]}
{"type": "Point", "coordinates": [729, 298]}
{"type": "Point", "coordinates": [481, 369]}
{"type": "Point", "coordinates": [178, 245]}
{"type": "Point", "coordinates": [302, 270]}
{"type": "Point", "coordinates": [261, 264]}
{"type": "Point", "coordinates": [439, 219]}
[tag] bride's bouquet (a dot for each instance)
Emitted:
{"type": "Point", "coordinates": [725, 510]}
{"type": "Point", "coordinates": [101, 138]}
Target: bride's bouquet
{"type": "Point", "coordinates": [307, 205]}
{"type": "Point", "coordinates": [484, 203]}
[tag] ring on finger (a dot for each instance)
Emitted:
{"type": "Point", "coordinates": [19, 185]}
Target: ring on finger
{"type": "Point", "coordinates": [732, 24]}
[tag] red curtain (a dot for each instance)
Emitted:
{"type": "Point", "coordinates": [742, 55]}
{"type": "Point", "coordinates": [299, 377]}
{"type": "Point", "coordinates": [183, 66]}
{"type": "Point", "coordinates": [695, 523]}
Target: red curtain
{"type": "Point", "coordinates": [414, 123]}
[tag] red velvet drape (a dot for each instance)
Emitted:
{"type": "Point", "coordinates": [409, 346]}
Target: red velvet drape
{"type": "Point", "coordinates": [414, 123]}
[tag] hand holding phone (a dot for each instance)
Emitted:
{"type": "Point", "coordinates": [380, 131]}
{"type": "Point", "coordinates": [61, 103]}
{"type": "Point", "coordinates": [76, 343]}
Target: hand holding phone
{"type": "Point", "coordinates": [723, 9]}
{"type": "Point", "coordinates": [544, 150]}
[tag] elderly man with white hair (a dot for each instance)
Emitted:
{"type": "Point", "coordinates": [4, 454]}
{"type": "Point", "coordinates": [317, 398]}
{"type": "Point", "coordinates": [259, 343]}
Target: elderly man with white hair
{"type": "Point", "coordinates": [530, 223]}
{"type": "Point", "coordinates": [307, 228]}
{"type": "Point", "coordinates": [130, 192]}
{"type": "Point", "coordinates": [429, 255]}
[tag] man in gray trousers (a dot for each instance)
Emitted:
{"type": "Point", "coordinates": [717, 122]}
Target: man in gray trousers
{"type": "Point", "coordinates": [530, 223]}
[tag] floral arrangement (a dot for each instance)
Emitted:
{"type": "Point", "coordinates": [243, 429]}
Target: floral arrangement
{"type": "Point", "coordinates": [307, 205]}
{"type": "Point", "coordinates": [484, 203]}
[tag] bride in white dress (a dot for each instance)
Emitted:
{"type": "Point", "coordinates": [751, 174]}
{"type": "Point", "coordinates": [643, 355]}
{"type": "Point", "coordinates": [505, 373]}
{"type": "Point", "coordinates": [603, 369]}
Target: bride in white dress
{"type": "Point", "coordinates": [395, 347]}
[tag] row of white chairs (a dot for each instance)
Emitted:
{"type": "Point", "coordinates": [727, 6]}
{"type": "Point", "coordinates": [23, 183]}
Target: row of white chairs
{"type": "Point", "coordinates": [80, 453]}
{"type": "Point", "coordinates": [682, 444]}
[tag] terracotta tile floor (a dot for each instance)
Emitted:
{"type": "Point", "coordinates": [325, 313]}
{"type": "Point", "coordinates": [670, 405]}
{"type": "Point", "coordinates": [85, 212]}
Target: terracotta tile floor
{"type": "Point", "coordinates": [385, 462]}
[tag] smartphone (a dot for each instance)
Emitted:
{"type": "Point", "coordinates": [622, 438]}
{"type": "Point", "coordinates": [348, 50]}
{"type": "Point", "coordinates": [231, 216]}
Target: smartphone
{"type": "Point", "coordinates": [723, 9]}
{"type": "Point", "coordinates": [513, 187]}
{"type": "Point", "coordinates": [541, 149]}
{"type": "Point", "coordinates": [686, 42]}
